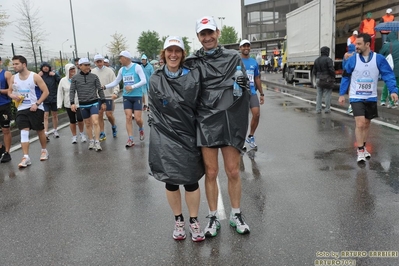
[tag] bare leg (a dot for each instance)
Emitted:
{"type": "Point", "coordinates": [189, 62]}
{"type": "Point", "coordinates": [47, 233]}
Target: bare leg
{"type": "Point", "coordinates": [94, 120]}
{"type": "Point", "coordinates": [210, 156]}
{"type": "Point", "coordinates": [193, 202]}
{"type": "Point", "coordinates": [46, 114]}
{"type": "Point", "coordinates": [231, 158]}
{"type": "Point", "coordinates": [7, 138]}
{"type": "Point", "coordinates": [54, 115]}
{"type": "Point", "coordinates": [255, 119]}
{"type": "Point", "coordinates": [174, 199]}
{"type": "Point", "coordinates": [129, 124]}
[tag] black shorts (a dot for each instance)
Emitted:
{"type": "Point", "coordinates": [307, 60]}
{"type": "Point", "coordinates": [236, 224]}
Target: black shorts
{"type": "Point", "coordinates": [28, 119]}
{"type": "Point", "coordinates": [367, 109]}
{"type": "Point", "coordinates": [50, 107]}
{"type": "Point", "coordinates": [5, 115]}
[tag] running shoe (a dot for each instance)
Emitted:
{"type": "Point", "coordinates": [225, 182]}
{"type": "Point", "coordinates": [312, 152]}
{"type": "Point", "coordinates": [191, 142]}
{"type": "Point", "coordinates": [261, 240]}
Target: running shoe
{"type": "Point", "coordinates": [74, 140]}
{"type": "Point", "coordinates": [350, 110]}
{"type": "Point", "coordinates": [142, 137]}
{"type": "Point", "coordinates": [83, 137]}
{"type": "Point", "coordinates": [179, 233]}
{"type": "Point", "coordinates": [130, 142]}
{"type": "Point", "coordinates": [251, 141]}
{"type": "Point", "coordinates": [237, 221]}
{"type": "Point", "coordinates": [383, 103]}
{"type": "Point", "coordinates": [145, 107]}
{"type": "Point", "coordinates": [2, 149]}
{"type": "Point", "coordinates": [361, 156]}
{"type": "Point", "coordinates": [97, 146]}
{"type": "Point", "coordinates": [102, 136]}
{"type": "Point", "coordinates": [47, 138]}
{"type": "Point", "coordinates": [212, 227]}
{"type": "Point", "coordinates": [91, 144]}
{"type": "Point", "coordinates": [114, 131]}
{"type": "Point", "coordinates": [196, 234]}
{"type": "Point", "coordinates": [5, 157]}
{"type": "Point", "coordinates": [56, 134]}
{"type": "Point", "coordinates": [44, 155]}
{"type": "Point", "coordinates": [367, 155]}
{"type": "Point", "coordinates": [24, 163]}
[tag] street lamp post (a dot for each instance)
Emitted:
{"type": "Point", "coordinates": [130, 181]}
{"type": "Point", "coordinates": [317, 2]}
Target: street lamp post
{"type": "Point", "coordinates": [73, 28]}
{"type": "Point", "coordinates": [221, 22]}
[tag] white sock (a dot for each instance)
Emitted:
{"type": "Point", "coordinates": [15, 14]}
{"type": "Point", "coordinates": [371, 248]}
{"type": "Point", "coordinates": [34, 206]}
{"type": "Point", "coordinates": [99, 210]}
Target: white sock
{"type": "Point", "coordinates": [234, 211]}
{"type": "Point", "coordinates": [213, 213]}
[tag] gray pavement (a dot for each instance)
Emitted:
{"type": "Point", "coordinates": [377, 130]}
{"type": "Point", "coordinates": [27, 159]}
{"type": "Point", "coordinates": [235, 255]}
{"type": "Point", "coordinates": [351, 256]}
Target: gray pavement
{"type": "Point", "coordinates": [303, 195]}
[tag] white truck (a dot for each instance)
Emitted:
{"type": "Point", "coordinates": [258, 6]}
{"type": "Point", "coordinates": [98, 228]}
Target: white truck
{"type": "Point", "coordinates": [309, 28]}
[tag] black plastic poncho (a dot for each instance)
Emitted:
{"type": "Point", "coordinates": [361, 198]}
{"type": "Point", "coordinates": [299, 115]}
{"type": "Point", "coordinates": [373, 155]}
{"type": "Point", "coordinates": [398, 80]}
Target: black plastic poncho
{"type": "Point", "coordinates": [222, 118]}
{"type": "Point", "coordinates": [174, 157]}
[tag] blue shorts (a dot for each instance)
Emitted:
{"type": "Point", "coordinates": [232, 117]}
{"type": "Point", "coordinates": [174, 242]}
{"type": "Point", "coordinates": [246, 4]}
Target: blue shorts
{"type": "Point", "coordinates": [88, 110]}
{"type": "Point", "coordinates": [50, 107]}
{"type": "Point", "coordinates": [133, 103]}
{"type": "Point", "coordinates": [109, 103]}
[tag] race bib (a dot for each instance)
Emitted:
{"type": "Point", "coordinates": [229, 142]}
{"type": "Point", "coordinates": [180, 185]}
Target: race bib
{"type": "Point", "coordinates": [364, 86]}
{"type": "Point", "coordinates": [128, 80]}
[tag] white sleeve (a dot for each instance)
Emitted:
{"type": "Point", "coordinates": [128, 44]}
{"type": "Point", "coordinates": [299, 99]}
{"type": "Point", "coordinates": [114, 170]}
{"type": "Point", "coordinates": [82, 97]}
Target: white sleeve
{"type": "Point", "coordinates": [143, 80]}
{"type": "Point", "coordinates": [116, 81]}
{"type": "Point", "coordinates": [348, 42]}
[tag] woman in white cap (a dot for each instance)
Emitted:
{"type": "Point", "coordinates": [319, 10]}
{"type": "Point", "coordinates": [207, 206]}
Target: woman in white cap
{"type": "Point", "coordinates": [174, 157]}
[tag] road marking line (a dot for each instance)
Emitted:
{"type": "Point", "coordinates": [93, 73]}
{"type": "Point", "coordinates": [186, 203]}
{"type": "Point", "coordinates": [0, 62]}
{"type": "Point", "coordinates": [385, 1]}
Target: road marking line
{"type": "Point", "coordinates": [221, 210]}
{"type": "Point", "coordinates": [378, 122]}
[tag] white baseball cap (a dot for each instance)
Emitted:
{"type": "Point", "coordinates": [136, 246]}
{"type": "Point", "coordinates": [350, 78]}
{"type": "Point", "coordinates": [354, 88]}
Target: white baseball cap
{"type": "Point", "coordinates": [206, 23]}
{"type": "Point", "coordinates": [98, 57]}
{"type": "Point", "coordinates": [83, 60]}
{"type": "Point", "coordinates": [245, 41]}
{"type": "Point", "coordinates": [106, 60]}
{"type": "Point", "coordinates": [389, 10]}
{"type": "Point", "coordinates": [355, 32]}
{"type": "Point", "coordinates": [173, 41]}
{"type": "Point", "coordinates": [125, 54]}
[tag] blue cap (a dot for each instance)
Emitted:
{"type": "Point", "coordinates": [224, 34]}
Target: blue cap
{"type": "Point", "coordinates": [144, 57]}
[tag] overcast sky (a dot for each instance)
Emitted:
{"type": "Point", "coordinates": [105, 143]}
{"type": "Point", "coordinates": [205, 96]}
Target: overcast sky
{"type": "Point", "coordinates": [96, 20]}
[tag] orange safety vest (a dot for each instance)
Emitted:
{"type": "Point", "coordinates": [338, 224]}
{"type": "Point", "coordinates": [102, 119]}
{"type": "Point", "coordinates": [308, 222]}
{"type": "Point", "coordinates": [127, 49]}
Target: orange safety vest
{"type": "Point", "coordinates": [353, 39]}
{"type": "Point", "coordinates": [368, 26]}
{"type": "Point", "coordinates": [387, 18]}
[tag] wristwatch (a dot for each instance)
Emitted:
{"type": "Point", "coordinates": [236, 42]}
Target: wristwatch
{"type": "Point", "coordinates": [262, 94]}
{"type": "Point", "coordinates": [38, 104]}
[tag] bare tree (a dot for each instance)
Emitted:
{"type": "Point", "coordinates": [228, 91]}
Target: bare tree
{"type": "Point", "coordinates": [29, 26]}
{"type": "Point", "coordinates": [3, 22]}
{"type": "Point", "coordinates": [118, 44]}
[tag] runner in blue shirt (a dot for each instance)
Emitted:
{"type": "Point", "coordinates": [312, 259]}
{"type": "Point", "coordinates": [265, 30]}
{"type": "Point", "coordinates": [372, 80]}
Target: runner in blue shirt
{"type": "Point", "coordinates": [252, 69]}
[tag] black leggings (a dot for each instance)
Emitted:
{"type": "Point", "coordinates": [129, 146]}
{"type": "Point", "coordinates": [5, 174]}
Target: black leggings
{"type": "Point", "coordinates": [188, 188]}
{"type": "Point", "coordinates": [74, 116]}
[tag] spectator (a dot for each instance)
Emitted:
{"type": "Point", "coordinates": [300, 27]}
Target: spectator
{"type": "Point", "coordinates": [367, 26]}
{"type": "Point", "coordinates": [325, 75]}
{"type": "Point", "coordinates": [352, 39]}
{"type": "Point", "coordinates": [391, 47]}
{"type": "Point", "coordinates": [388, 17]}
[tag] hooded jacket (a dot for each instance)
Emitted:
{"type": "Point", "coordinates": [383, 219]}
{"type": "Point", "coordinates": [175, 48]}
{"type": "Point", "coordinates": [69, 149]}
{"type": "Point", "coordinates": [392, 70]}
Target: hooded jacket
{"type": "Point", "coordinates": [64, 89]}
{"type": "Point", "coordinates": [392, 47]}
{"type": "Point", "coordinates": [51, 82]}
{"type": "Point", "coordinates": [324, 65]}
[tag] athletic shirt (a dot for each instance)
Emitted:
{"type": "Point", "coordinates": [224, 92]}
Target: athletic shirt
{"type": "Point", "coordinates": [364, 79]}
{"type": "Point", "coordinates": [29, 90]}
{"type": "Point", "coordinates": [252, 69]}
{"type": "Point", "coordinates": [4, 99]}
{"type": "Point", "coordinates": [130, 77]}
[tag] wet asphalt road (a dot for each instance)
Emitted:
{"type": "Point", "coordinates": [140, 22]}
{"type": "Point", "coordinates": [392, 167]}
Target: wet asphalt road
{"type": "Point", "coordinates": [303, 194]}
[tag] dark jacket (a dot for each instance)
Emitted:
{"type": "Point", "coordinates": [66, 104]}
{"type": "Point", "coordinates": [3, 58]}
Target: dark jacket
{"type": "Point", "coordinates": [88, 87]}
{"type": "Point", "coordinates": [51, 82]}
{"type": "Point", "coordinates": [222, 119]}
{"type": "Point", "coordinates": [392, 45]}
{"type": "Point", "coordinates": [324, 65]}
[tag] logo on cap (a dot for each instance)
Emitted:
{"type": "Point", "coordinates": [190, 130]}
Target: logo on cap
{"type": "Point", "coordinates": [204, 21]}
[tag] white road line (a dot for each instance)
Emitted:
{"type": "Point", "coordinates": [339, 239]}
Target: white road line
{"type": "Point", "coordinates": [221, 209]}
{"type": "Point", "coordinates": [378, 122]}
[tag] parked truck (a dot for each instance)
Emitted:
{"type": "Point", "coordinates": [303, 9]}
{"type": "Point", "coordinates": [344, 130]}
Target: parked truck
{"type": "Point", "coordinates": [309, 28]}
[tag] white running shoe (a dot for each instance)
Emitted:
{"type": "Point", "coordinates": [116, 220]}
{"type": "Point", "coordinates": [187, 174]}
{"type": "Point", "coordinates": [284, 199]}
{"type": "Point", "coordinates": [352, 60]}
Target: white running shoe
{"type": "Point", "coordinates": [361, 156]}
{"type": "Point", "coordinates": [44, 155]}
{"type": "Point", "coordinates": [367, 155]}
{"type": "Point", "coordinates": [179, 233]}
{"type": "Point", "coordinates": [212, 227]}
{"type": "Point", "coordinates": [24, 163]}
{"type": "Point", "coordinates": [83, 137]}
{"type": "Point", "coordinates": [237, 221]}
{"type": "Point", "coordinates": [56, 134]}
{"type": "Point", "coordinates": [196, 234]}
{"type": "Point", "coordinates": [74, 140]}
{"type": "Point", "coordinates": [91, 144]}
{"type": "Point", "coordinates": [97, 146]}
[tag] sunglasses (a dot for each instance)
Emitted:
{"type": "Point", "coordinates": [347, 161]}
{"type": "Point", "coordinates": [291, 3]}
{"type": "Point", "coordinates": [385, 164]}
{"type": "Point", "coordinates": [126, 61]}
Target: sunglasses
{"type": "Point", "coordinates": [86, 64]}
